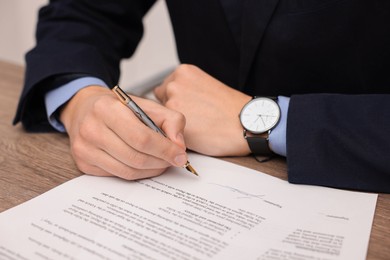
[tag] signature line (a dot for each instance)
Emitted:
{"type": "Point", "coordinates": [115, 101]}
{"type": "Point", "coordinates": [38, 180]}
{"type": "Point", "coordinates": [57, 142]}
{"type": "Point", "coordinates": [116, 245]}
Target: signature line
{"type": "Point", "coordinates": [245, 195]}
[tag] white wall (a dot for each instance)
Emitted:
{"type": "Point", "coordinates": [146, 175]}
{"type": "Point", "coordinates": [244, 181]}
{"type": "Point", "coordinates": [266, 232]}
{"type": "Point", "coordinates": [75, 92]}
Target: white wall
{"type": "Point", "coordinates": [155, 53]}
{"type": "Point", "coordinates": [17, 22]}
{"type": "Point", "coordinates": [157, 50]}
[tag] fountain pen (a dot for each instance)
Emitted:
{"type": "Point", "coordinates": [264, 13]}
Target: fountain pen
{"type": "Point", "coordinates": [126, 99]}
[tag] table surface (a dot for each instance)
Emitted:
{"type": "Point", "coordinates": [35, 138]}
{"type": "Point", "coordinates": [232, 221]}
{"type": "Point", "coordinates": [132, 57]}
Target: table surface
{"type": "Point", "coordinates": [31, 163]}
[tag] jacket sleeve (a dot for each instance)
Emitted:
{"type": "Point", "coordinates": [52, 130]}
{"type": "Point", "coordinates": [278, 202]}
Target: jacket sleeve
{"type": "Point", "coordinates": [77, 37]}
{"type": "Point", "coordinates": [340, 141]}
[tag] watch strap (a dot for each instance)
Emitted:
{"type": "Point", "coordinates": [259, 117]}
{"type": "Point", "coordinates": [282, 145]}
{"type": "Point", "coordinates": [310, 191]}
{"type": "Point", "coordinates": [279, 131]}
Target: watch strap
{"type": "Point", "coordinates": [274, 98]}
{"type": "Point", "coordinates": [258, 145]}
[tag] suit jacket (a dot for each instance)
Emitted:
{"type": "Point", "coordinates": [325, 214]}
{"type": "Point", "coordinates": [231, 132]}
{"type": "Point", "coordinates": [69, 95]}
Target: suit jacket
{"type": "Point", "coordinates": [332, 57]}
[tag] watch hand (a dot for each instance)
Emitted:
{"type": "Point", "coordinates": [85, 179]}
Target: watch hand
{"type": "Point", "coordinates": [262, 119]}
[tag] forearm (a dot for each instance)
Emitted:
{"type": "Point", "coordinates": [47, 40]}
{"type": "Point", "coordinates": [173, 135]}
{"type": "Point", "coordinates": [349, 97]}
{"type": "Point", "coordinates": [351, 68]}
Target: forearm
{"type": "Point", "coordinates": [339, 141]}
{"type": "Point", "coordinates": [71, 42]}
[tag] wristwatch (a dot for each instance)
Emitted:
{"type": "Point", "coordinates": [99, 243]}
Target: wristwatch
{"type": "Point", "coordinates": [258, 117]}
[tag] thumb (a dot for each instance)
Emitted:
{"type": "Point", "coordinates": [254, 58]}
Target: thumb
{"type": "Point", "coordinates": [179, 140]}
{"type": "Point", "coordinates": [173, 126]}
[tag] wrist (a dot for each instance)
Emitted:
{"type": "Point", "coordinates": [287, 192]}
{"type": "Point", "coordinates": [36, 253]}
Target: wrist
{"type": "Point", "coordinates": [73, 106]}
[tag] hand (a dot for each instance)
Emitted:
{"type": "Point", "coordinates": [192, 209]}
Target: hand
{"type": "Point", "coordinates": [211, 109]}
{"type": "Point", "coordinates": [107, 139]}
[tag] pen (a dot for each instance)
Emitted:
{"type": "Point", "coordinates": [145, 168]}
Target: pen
{"type": "Point", "coordinates": [126, 99]}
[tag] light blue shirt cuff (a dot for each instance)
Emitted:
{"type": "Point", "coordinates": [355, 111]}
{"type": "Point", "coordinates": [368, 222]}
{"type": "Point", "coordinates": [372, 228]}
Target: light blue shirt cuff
{"type": "Point", "coordinates": [277, 138]}
{"type": "Point", "coordinates": [55, 98]}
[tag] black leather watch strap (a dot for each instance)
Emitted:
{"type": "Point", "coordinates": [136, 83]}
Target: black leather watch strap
{"type": "Point", "coordinates": [274, 98]}
{"type": "Point", "coordinates": [258, 145]}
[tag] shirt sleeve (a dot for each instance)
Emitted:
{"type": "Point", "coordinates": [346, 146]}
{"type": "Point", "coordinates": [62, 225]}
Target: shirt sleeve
{"type": "Point", "coordinates": [277, 137]}
{"type": "Point", "coordinates": [55, 98]}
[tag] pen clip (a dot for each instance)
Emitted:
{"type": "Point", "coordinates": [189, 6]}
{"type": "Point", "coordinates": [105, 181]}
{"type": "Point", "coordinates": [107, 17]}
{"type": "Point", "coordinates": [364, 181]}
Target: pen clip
{"type": "Point", "coordinates": [123, 97]}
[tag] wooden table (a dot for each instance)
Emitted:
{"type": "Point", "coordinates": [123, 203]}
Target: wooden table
{"type": "Point", "coordinates": [31, 164]}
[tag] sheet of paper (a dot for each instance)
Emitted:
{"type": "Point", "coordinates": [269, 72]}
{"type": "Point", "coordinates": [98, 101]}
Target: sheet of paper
{"type": "Point", "coordinates": [229, 212]}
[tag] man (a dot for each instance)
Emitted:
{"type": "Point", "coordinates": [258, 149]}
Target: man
{"type": "Point", "coordinates": [327, 61]}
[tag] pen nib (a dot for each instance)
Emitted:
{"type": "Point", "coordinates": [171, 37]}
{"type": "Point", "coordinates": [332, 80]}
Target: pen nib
{"type": "Point", "coordinates": [190, 168]}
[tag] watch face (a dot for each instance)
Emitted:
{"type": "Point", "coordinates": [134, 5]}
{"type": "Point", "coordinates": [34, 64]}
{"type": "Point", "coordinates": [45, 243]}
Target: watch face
{"type": "Point", "coordinates": [260, 115]}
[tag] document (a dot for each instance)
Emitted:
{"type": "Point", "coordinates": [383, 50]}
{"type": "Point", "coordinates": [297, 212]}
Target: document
{"type": "Point", "coordinates": [229, 212]}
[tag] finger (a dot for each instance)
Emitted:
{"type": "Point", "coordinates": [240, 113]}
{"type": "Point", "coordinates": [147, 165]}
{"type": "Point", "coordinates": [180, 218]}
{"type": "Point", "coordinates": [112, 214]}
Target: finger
{"type": "Point", "coordinates": [114, 167]}
{"type": "Point", "coordinates": [112, 144]}
{"type": "Point", "coordinates": [140, 137]}
{"type": "Point", "coordinates": [98, 163]}
{"type": "Point", "coordinates": [173, 123]}
{"type": "Point", "coordinates": [94, 171]}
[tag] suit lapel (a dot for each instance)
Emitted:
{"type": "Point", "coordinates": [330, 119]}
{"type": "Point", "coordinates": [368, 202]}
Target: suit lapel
{"type": "Point", "coordinates": [257, 14]}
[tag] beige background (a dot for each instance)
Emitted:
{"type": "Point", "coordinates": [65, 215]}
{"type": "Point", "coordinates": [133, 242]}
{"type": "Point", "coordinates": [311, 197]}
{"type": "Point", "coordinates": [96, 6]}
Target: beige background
{"type": "Point", "coordinates": [155, 53]}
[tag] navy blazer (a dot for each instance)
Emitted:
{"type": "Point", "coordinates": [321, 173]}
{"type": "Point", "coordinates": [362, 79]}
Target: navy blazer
{"type": "Point", "coordinates": [332, 57]}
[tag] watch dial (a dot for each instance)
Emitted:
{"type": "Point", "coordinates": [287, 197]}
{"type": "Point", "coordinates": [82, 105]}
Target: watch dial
{"type": "Point", "coordinates": [260, 115]}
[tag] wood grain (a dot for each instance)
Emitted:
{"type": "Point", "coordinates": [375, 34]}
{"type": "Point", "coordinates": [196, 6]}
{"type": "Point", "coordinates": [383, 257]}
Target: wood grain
{"type": "Point", "coordinates": [31, 164]}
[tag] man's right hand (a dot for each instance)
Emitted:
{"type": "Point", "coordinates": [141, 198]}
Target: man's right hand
{"type": "Point", "coordinates": [107, 139]}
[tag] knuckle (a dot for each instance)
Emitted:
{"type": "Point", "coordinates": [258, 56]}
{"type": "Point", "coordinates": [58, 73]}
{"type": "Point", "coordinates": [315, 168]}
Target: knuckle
{"type": "Point", "coordinates": [78, 150]}
{"type": "Point", "coordinates": [172, 104]}
{"type": "Point", "coordinates": [84, 167]}
{"type": "Point", "coordinates": [138, 161]}
{"type": "Point", "coordinates": [172, 88]}
{"type": "Point", "coordinates": [178, 117]}
{"type": "Point", "coordinates": [89, 131]}
{"type": "Point", "coordinates": [185, 68]}
{"type": "Point", "coordinates": [99, 106]}
{"type": "Point", "coordinates": [142, 142]}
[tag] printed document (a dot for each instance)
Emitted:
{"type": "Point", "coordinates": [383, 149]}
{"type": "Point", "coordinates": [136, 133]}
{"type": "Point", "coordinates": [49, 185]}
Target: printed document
{"type": "Point", "coordinates": [228, 212]}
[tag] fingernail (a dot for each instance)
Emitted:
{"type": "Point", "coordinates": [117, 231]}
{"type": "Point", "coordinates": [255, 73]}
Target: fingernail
{"type": "Point", "coordinates": [181, 160]}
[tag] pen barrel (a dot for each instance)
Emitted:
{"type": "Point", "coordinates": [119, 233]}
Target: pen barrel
{"type": "Point", "coordinates": [144, 117]}
{"type": "Point", "coordinates": [126, 99]}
